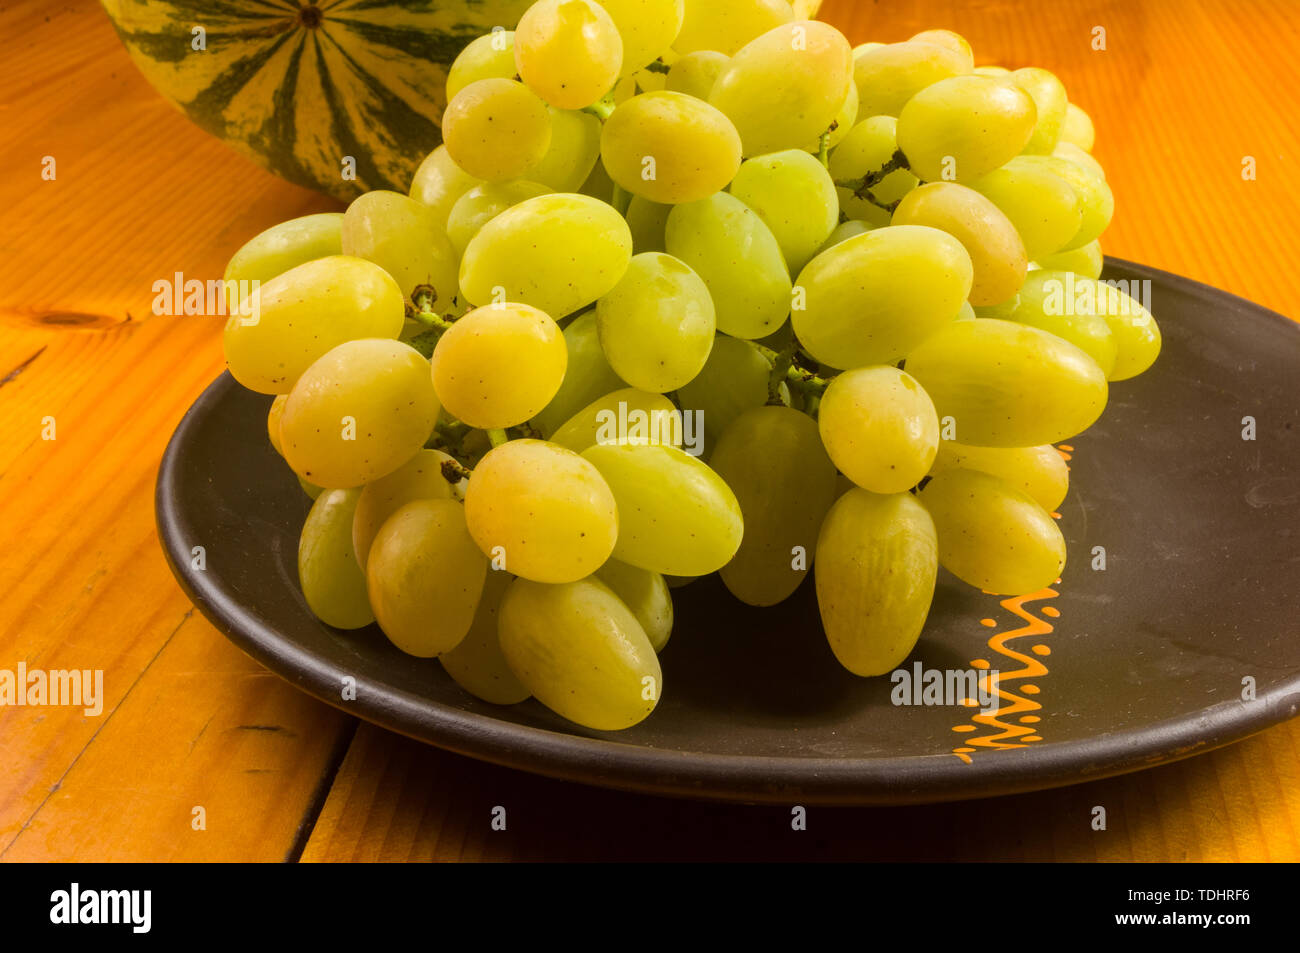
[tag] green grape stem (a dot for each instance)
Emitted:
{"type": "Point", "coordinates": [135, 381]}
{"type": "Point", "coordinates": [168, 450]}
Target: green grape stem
{"type": "Point", "coordinates": [658, 66]}
{"type": "Point", "coordinates": [602, 110]}
{"type": "Point", "coordinates": [497, 436]}
{"type": "Point", "coordinates": [805, 380]}
{"type": "Point", "coordinates": [453, 472]}
{"type": "Point", "coordinates": [824, 147]}
{"type": "Point", "coordinates": [861, 187]}
{"type": "Point", "coordinates": [782, 364]}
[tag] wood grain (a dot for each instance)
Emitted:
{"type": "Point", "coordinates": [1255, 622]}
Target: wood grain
{"type": "Point", "coordinates": [1183, 91]}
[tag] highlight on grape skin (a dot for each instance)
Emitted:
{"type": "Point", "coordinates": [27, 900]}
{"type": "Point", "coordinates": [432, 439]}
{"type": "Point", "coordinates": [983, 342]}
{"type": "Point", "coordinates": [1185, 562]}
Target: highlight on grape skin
{"type": "Point", "coordinates": [691, 288]}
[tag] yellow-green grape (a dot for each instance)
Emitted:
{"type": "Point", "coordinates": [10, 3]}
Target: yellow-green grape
{"type": "Point", "coordinates": [965, 127]}
{"type": "Point", "coordinates": [425, 577]}
{"type": "Point", "coordinates": [1042, 206]}
{"type": "Point", "coordinates": [657, 324]}
{"type": "Point", "coordinates": [648, 28]}
{"type": "Point", "coordinates": [311, 489]}
{"type": "Point", "coordinates": [540, 511]}
{"type": "Point", "coordinates": [841, 125]}
{"type": "Point", "coordinates": [305, 312]}
{"type": "Point", "coordinates": [483, 203]}
{"type": "Point", "coordinates": [599, 185]}
{"type": "Point", "coordinates": [273, 421]}
{"type": "Point", "coordinates": [626, 415]}
{"type": "Point", "coordinates": [844, 231]}
{"type": "Point", "coordinates": [865, 47]}
{"type": "Point", "coordinates": [1085, 260]}
{"type": "Point", "coordinates": [695, 73]}
{"type": "Point", "coordinates": [773, 460]}
{"type": "Point", "coordinates": [581, 652]}
{"type": "Point", "coordinates": [670, 148]}
{"type": "Point", "coordinates": [358, 413]}
{"type": "Point", "coordinates": [967, 313]}
{"type": "Point", "coordinates": [1007, 384]}
{"type": "Point", "coordinates": [1047, 301]}
{"type": "Point", "coordinates": [880, 428]}
{"type": "Point", "coordinates": [727, 25]}
{"type": "Point", "coordinates": [587, 378]}
{"type": "Point", "coordinates": [887, 76]}
{"type": "Point", "coordinates": [992, 535]}
{"type": "Point", "coordinates": [949, 40]}
{"type": "Point", "coordinates": [1039, 472]}
{"type": "Point", "coordinates": [496, 129]}
{"type": "Point", "coordinates": [991, 71]}
{"type": "Point", "coordinates": [867, 147]}
{"type": "Point", "coordinates": [794, 196]}
{"type": "Point", "coordinates": [402, 237]}
{"type": "Point", "coordinates": [784, 88]}
{"type": "Point", "coordinates": [874, 297]}
{"type": "Point", "coordinates": [734, 379]}
{"type": "Point", "coordinates": [1095, 199]}
{"type": "Point", "coordinates": [477, 663]}
{"type": "Point", "coordinates": [557, 253]}
{"type": "Point", "coordinates": [420, 478]}
{"type": "Point", "coordinates": [1078, 128]}
{"type": "Point", "coordinates": [648, 222]}
{"type": "Point", "coordinates": [499, 365]}
{"type": "Point", "coordinates": [730, 247]}
{"type": "Point", "coordinates": [1050, 101]}
{"type": "Point", "coordinates": [573, 153]}
{"type": "Point", "coordinates": [877, 561]}
{"type": "Point", "coordinates": [675, 514]}
{"type": "Point", "coordinates": [439, 182]}
{"type": "Point", "coordinates": [997, 254]}
{"type": "Point", "coordinates": [285, 246]}
{"type": "Point", "coordinates": [1003, 310]}
{"type": "Point", "coordinates": [1072, 153]}
{"type": "Point", "coordinates": [332, 582]}
{"type": "Point", "coordinates": [1137, 336]}
{"type": "Point", "coordinates": [568, 52]}
{"type": "Point", "coordinates": [646, 594]}
{"type": "Point", "coordinates": [491, 56]}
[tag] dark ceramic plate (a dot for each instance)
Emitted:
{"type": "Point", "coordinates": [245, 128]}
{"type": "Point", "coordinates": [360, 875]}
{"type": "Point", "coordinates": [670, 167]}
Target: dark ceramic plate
{"type": "Point", "coordinates": [1186, 641]}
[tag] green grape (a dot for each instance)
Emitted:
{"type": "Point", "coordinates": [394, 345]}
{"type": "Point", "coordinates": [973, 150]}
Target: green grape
{"type": "Point", "coordinates": [491, 56]}
{"type": "Point", "coordinates": [794, 196]}
{"type": "Point", "coordinates": [1003, 310]}
{"type": "Point", "coordinates": [402, 237]}
{"type": "Point", "coordinates": [307, 311]}
{"type": "Point", "coordinates": [997, 254]}
{"type": "Point", "coordinates": [648, 28]}
{"type": "Point", "coordinates": [864, 48]}
{"type": "Point", "coordinates": [568, 52]}
{"type": "Point", "coordinates": [358, 413]}
{"type": "Point", "coordinates": [874, 297]}
{"type": "Point", "coordinates": [483, 203]}
{"type": "Point", "coordinates": [670, 148]}
{"type": "Point", "coordinates": [1038, 472]}
{"type": "Point", "coordinates": [581, 652]}
{"type": "Point", "coordinates": [273, 421]}
{"type": "Point", "coordinates": [964, 127]}
{"type": "Point", "coordinates": [992, 535]}
{"type": "Point", "coordinates": [439, 182]}
{"type": "Point", "coordinates": [496, 129]}
{"type": "Point", "coordinates": [841, 125]}
{"type": "Point", "coordinates": [1085, 260]}
{"type": "Point", "coordinates": [1137, 336]}
{"type": "Point", "coordinates": [877, 562]}
{"type": "Point", "coordinates": [284, 246]}
{"type": "Point", "coordinates": [1045, 302]}
{"type": "Point", "coordinates": [695, 73]}
{"type": "Point", "coordinates": [599, 185]}
{"type": "Point", "coordinates": [887, 76]}
{"type": "Point", "coordinates": [311, 489]}
{"type": "Point", "coordinates": [626, 415]}
{"type": "Point", "coordinates": [880, 428]}
{"type": "Point", "coordinates": [1077, 128]}
{"type": "Point", "coordinates": [646, 594]}
{"type": "Point", "coordinates": [541, 511]}
{"type": "Point", "coordinates": [574, 150]}
{"type": "Point", "coordinates": [949, 40]}
{"type": "Point", "coordinates": [727, 25]}
{"type": "Point", "coordinates": [867, 147]}
{"type": "Point", "coordinates": [648, 222]}
{"type": "Point", "coordinates": [420, 478]}
{"type": "Point", "coordinates": [477, 663]}
{"type": "Point", "coordinates": [843, 232]}
{"type": "Point", "coordinates": [772, 459]}
{"type": "Point", "coordinates": [1072, 153]}
{"type": "Point", "coordinates": [1095, 199]}
{"type": "Point", "coordinates": [733, 380]}
{"type": "Point", "coordinates": [738, 257]}
{"type": "Point", "coordinates": [967, 313]}
{"type": "Point", "coordinates": [785, 88]}
{"type": "Point", "coordinates": [1042, 206]}
{"type": "Point", "coordinates": [425, 577]}
{"type": "Point", "coordinates": [657, 324]}
{"type": "Point", "coordinates": [332, 582]}
{"type": "Point", "coordinates": [675, 514]}
{"type": "Point", "coordinates": [1050, 101]}
{"type": "Point", "coordinates": [499, 365]}
{"type": "Point", "coordinates": [558, 253]}
{"type": "Point", "coordinates": [992, 71]}
{"type": "Point", "coordinates": [587, 378]}
{"type": "Point", "coordinates": [1007, 384]}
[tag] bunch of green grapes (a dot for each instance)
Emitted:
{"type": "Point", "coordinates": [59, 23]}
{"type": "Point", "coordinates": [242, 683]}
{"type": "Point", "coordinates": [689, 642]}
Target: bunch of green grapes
{"type": "Point", "coordinates": [690, 287]}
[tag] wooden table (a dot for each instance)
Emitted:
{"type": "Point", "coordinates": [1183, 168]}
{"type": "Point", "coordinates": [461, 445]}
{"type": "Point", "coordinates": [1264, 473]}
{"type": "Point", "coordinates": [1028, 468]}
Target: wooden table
{"type": "Point", "coordinates": [1182, 93]}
